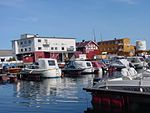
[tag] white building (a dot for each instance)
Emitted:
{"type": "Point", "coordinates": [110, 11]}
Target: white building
{"type": "Point", "coordinates": [31, 47]}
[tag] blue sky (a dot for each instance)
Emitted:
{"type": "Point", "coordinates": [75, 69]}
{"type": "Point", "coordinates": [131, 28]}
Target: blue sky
{"type": "Point", "coordinates": [75, 18]}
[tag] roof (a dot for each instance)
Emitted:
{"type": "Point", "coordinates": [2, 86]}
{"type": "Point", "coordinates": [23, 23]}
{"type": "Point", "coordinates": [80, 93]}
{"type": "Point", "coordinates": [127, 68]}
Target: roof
{"type": "Point", "coordinates": [114, 40]}
{"type": "Point", "coordinates": [36, 36]}
{"type": "Point", "coordinates": [6, 52]}
{"type": "Point", "coordinates": [84, 43]}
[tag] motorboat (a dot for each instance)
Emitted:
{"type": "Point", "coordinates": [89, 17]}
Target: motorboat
{"type": "Point", "coordinates": [15, 70]}
{"type": "Point", "coordinates": [119, 63]}
{"type": "Point", "coordinates": [45, 67]}
{"type": "Point", "coordinates": [119, 67]}
{"type": "Point", "coordinates": [72, 68]}
{"type": "Point", "coordinates": [127, 90]}
{"type": "Point", "coordinates": [137, 62]}
{"type": "Point", "coordinates": [124, 91]}
{"type": "Point", "coordinates": [77, 67]}
{"type": "Point", "coordinates": [121, 93]}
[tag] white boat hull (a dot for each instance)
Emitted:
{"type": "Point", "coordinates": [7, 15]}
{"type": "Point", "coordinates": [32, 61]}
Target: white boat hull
{"type": "Point", "coordinates": [88, 70]}
{"type": "Point", "coordinates": [45, 73]}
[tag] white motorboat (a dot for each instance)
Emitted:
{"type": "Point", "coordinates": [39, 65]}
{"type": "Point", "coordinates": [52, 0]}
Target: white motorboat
{"type": "Point", "coordinates": [45, 67]}
{"type": "Point", "coordinates": [137, 62]}
{"type": "Point", "coordinates": [131, 89]}
{"type": "Point", "coordinates": [78, 67]}
{"type": "Point", "coordinates": [86, 65]}
{"type": "Point", "coordinates": [119, 63]}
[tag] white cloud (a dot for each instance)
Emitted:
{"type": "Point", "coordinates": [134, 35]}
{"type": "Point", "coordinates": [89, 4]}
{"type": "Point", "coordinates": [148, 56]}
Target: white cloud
{"type": "Point", "coordinates": [132, 2]}
{"type": "Point", "coordinates": [11, 3]}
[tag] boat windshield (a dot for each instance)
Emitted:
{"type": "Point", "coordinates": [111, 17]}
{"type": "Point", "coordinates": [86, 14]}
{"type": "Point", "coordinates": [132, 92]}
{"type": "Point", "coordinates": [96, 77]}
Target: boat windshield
{"type": "Point", "coordinates": [33, 66]}
{"type": "Point", "coordinates": [51, 62]}
{"type": "Point", "coordinates": [142, 59]}
{"type": "Point", "coordinates": [134, 60]}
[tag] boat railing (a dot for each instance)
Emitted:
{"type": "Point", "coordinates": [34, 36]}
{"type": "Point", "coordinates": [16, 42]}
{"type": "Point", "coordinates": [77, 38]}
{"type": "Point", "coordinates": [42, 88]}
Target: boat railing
{"type": "Point", "coordinates": [123, 83]}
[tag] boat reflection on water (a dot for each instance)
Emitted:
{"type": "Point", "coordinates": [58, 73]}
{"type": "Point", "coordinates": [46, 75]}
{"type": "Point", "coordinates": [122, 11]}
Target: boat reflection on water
{"type": "Point", "coordinates": [57, 94]}
{"type": "Point", "coordinates": [36, 94]}
{"type": "Point", "coordinates": [29, 89]}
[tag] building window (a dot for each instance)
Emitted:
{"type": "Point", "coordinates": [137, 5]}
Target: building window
{"type": "Point", "coordinates": [25, 49]}
{"type": "Point", "coordinates": [62, 48]}
{"type": "Point", "coordinates": [39, 40]}
{"type": "Point", "coordinates": [29, 41]}
{"type": "Point", "coordinates": [46, 41]}
{"type": "Point", "coordinates": [39, 48]}
{"type": "Point", "coordinates": [52, 48]}
{"type": "Point", "coordinates": [21, 50]}
{"type": "Point", "coordinates": [55, 48]}
{"type": "Point", "coordinates": [21, 43]}
{"type": "Point", "coordinates": [29, 49]}
{"type": "Point", "coordinates": [25, 42]}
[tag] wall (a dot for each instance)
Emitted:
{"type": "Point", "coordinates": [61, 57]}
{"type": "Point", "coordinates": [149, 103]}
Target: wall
{"type": "Point", "coordinates": [117, 46]}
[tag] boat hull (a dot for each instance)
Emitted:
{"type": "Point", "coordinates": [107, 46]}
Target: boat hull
{"type": "Point", "coordinates": [125, 94]}
{"type": "Point", "coordinates": [121, 101]}
{"type": "Point", "coordinates": [14, 70]}
{"type": "Point", "coordinates": [49, 73]}
{"type": "Point", "coordinates": [71, 72]}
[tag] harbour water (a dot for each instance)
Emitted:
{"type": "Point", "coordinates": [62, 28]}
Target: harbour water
{"type": "Point", "coordinates": [47, 96]}
{"type": "Point", "coordinates": [52, 96]}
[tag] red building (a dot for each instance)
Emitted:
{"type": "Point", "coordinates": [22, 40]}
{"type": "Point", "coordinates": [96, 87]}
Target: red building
{"type": "Point", "coordinates": [90, 48]}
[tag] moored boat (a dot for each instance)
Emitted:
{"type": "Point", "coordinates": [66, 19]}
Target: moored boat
{"type": "Point", "coordinates": [137, 62]}
{"type": "Point", "coordinates": [45, 67]}
{"type": "Point", "coordinates": [78, 67]}
{"type": "Point", "coordinates": [124, 92]}
{"type": "Point", "coordinates": [15, 70]}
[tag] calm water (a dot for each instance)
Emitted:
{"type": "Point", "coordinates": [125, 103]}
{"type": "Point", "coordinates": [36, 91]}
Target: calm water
{"type": "Point", "coordinates": [48, 96]}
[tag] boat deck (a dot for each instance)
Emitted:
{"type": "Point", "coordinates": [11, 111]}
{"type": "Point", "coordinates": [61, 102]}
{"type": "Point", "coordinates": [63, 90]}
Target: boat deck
{"type": "Point", "coordinates": [124, 86]}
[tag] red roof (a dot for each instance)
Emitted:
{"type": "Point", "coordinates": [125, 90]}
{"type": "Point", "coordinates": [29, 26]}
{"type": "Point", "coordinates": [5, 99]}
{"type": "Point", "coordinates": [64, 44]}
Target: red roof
{"type": "Point", "coordinates": [84, 43]}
